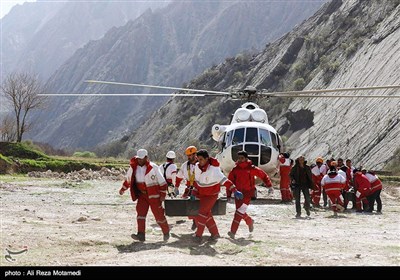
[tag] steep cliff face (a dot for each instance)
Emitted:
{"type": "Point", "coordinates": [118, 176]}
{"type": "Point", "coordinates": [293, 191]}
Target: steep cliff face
{"type": "Point", "coordinates": [165, 47]}
{"type": "Point", "coordinates": [367, 130]}
{"type": "Point", "coordinates": [345, 44]}
{"type": "Point", "coordinates": [39, 36]}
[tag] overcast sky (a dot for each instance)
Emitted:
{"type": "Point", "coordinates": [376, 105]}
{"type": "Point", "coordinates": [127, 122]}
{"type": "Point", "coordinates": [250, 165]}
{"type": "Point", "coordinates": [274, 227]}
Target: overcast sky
{"type": "Point", "coordinates": [6, 5]}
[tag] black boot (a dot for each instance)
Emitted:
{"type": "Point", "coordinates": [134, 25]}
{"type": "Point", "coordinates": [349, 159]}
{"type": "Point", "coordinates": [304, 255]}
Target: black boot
{"type": "Point", "coordinates": [140, 236]}
{"type": "Point", "coordinates": [194, 226]}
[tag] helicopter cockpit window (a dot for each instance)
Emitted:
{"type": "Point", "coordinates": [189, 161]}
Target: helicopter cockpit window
{"type": "Point", "coordinates": [228, 138]}
{"type": "Point", "coordinates": [265, 137]}
{"type": "Point", "coordinates": [251, 134]}
{"type": "Point", "coordinates": [274, 141]}
{"type": "Point", "coordinates": [238, 137]}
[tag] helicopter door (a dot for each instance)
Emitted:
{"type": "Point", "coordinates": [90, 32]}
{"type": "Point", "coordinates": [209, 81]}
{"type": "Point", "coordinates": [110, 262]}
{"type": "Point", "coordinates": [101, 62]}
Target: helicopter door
{"type": "Point", "coordinates": [253, 150]}
{"type": "Point", "coordinates": [266, 142]}
{"type": "Point", "coordinates": [275, 141]}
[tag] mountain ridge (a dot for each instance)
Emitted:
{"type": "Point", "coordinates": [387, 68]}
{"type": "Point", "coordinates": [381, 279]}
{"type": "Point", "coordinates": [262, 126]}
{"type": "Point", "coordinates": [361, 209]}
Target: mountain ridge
{"type": "Point", "coordinates": [334, 48]}
{"type": "Point", "coordinates": [165, 47]}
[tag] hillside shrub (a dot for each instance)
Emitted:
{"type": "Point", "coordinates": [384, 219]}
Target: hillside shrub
{"type": "Point", "coordinates": [85, 154]}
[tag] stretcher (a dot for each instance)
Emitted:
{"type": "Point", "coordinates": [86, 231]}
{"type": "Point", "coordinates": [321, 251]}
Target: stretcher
{"type": "Point", "coordinates": [187, 207]}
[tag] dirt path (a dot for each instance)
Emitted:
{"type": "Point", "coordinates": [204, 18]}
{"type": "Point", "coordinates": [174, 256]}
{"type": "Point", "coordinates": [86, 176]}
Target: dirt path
{"type": "Point", "coordinates": [65, 223]}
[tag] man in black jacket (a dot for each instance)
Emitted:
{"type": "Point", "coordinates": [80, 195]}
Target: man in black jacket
{"type": "Point", "coordinates": [301, 180]}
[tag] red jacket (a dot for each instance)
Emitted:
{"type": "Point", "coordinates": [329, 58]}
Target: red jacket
{"type": "Point", "coordinates": [362, 184]}
{"type": "Point", "coordinates": [285, 165]}
{"type": "Point", "coordinates": [154, 186]}
{"type": "Point", "coordinates": [376, 184]}
{"type": "Point", "coordinates": [209, 178]}
{"type": "Point", "coordinates": [242, 175]}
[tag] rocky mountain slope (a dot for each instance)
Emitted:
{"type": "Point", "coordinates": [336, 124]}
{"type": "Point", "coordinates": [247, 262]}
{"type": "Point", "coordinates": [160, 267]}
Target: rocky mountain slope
{"type": "Point", "coordinates": [167, 47]}
{"type": "Point", "coordinates": [345, 44]}
{"type": "Point", "coordinates": [39, 36]}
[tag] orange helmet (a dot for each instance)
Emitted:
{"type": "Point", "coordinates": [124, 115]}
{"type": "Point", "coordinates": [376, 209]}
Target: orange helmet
{"type": "Point", "coordinates": [190, 150]}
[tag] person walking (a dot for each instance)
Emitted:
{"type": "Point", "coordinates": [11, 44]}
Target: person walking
{"type": "Point", "coordinates": [169, 169]}
{"type": "Point", "coordinates": [186, 172]}
{"type": "Point", "coordinates": [285, 165]}
{"type": "Point", "coordinates": [208, 181]}
{"type": "Point", "coordinates": [301, 180]}
{"type": "Point", "coordinates": [148, 186]}
{"type": "Point", "coordinates": [242, 176]}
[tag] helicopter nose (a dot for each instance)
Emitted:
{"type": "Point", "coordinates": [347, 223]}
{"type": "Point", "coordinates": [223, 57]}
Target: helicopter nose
{"type": "Point", "coordinates": [258, 154]}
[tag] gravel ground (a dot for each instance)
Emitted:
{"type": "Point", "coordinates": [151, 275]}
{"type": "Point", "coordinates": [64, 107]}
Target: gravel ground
{"type": "Point", "coordinates": [88, 223]}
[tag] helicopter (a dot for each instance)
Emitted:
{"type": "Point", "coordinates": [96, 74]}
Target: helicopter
{"type": "Point", "coordinates": [249, 129]}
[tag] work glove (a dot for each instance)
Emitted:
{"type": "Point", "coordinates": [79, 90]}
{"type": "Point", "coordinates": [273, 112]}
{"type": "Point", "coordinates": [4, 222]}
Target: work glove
{"type": "Point", "coordinates": [238, 195]}
{"type": "Point", "coordinates": [192, 198]}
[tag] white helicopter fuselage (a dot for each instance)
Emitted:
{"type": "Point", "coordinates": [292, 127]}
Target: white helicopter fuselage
{"type": "Point", "coordinates": [249, 131]}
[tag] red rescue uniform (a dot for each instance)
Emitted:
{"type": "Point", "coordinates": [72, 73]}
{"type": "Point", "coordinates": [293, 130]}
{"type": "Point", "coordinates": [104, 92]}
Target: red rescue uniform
{"type": "Point", "coordinates": [148, 186]}
{"type": "Point", "coordinates": [242, 176]}
{"type": "Point", "coordinates": [333, 184]}
{"type": "Point", "coordinates": [208, 181]}
{"type": "Point", "coordinates": [362, 187]}
{"type": "Point", "coordinates": [285, 165]}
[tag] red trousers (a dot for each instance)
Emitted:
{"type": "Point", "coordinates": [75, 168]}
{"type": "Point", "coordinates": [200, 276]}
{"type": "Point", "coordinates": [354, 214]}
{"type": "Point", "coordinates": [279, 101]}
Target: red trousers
{"type": "Point", "coordinates": [284, 185]}
{"type": "Point", "coordinates": [142, 207]}
{"type": "Point", "coordinates": [205, 218]}
{"type": "Point", "coordinates": [241, 207]}
{"type": "Point", "coordinates": [361, 200]}
{"type": "Point", "coordinates": [316, 194]}
{"type": "Point", "coordinates": [335, 197]}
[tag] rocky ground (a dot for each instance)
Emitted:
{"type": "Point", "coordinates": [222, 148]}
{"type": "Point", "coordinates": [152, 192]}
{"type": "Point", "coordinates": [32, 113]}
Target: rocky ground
{"type": "Point", "coordinates": [66, 222]}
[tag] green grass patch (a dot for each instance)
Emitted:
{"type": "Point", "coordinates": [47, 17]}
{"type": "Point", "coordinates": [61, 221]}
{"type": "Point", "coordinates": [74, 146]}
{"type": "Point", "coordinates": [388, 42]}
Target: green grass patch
{"type": "Point", "coordinates": [20, 150]}
{"type": "Point", "coordinates": [23, 158]}
{"type": "Point", "coordinates": [27, 165]}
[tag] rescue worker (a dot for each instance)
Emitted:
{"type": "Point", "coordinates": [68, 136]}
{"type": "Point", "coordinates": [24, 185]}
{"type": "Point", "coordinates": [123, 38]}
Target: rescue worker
{"type": "Point", "coordinates": [318, 171]}
{"type": "Point", "coordinates": [186, 172]}
{"type": "Point", "coordinates": [362, 188]}
{"type": "Point", "coordinates": [350, 195]}
{"type": "Point", "coordinates": [168, 169]}
{"type": "Point", "coordinates": [343, 171]}
{"type": "Point", "coordinates": [148, 186]}
{"type": "Point", "coordinates": [340, 165]}
{"type": "Point", "coordinates": [208, 181]}
{"type": "Point", "coordinates": [301, 180]}
{"type": "Point", "coordinates": [375, 193]}
{"type": "Point", "coordinates": [242, 176]}
{"type": "Point", "coordinates": [333, 183]}
{"type": "Point", "coordinates": [328, 166]}
{"type": "Point", "coordinates": [285, 165]}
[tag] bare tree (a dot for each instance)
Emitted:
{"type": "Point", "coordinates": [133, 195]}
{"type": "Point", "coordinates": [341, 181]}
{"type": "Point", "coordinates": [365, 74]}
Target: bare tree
{"type": "Point", "coordinates": [8, 132]}
{"type": "Point", "coordinates": [21, 90]}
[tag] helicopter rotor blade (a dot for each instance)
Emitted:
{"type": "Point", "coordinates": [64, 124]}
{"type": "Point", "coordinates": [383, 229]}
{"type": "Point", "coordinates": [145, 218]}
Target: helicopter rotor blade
{"type": "Point", "coordinates": [331, 90]}
{"type": "Point", "coordinates": [158, 87]}
{"type": "Point", "coordinates": [333, 96]}
{"type": "Point", "coordinates": [128, 94]}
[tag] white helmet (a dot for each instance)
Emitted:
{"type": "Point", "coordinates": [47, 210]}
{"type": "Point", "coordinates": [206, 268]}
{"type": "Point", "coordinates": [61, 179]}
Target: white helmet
{"type": "Point", "coordinates": [171, 154]}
